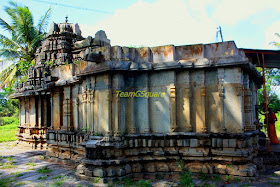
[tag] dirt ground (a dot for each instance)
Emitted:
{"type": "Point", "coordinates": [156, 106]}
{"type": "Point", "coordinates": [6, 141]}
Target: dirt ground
{"type": "Point", "coordinates": [23, 166]}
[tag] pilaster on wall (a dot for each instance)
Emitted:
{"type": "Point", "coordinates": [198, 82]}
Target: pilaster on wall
{"type": "Point", "coordinates": [248, 109]}
{"type": "Point", "coordinates": [91, 111]}
{"type": "Point", "coordinates": [84, 107]}
{"type": "Point", "coordinates": [233, 102]}
{"type": "Point", "coordinates": [142, 104]}
{"type": "Point", "coordinates": [67, 114]}
{"type": "Point", "coordinates": [198, 79]}
{"type": "Point", "coordinates": [117, 126]}
{"type": "Point", "coordinates": [27, 111]}
{"type": "Point", "coordinates": [56, 110]}
{"type": "Point", "coordinates": [173, 117]}
{"type": "Point", "coordinates": [221, 90]}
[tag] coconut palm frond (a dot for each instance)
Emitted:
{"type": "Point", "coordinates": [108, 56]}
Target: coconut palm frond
{"type": "Point", "coordinates": [43, 21]}
{"type": "Point", "coordinates": [24, 40]}
{"type": "Point", "coordinates": [9, 53]}
{"type": "Point", "coordinates": [9, 76]}
{"type": "Point", "coordinates": [7, 42]}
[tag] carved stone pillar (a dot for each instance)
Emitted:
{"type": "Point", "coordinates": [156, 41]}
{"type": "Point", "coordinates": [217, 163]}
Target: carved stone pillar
{"type": "Point", "coordinates": [187, 107]}
{"type": "Point", "coordinates": [221, 90]}
{"type": "Point", "coordinates": [67, 125]}
{"type": "Point", "coordinates": [173, 122]}
{"type": "Point", "coordinates": [91, 109]}
{"type": "Point", "coordinates": [116, 110]}
{"type": "Point", "coordinates": [84, 110]}
{"type": "Point", "coordinates": [76, 110]}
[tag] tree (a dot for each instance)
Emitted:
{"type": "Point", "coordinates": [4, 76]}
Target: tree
{"type": "Point", "coordinates": [22, 43]}
{"type": "Point", "coordinates": [8, 107]}
{"type": "Point", "coordinates": [272, 87]}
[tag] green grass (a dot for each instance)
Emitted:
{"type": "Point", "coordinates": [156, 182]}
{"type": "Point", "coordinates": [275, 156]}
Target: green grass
{"type": "Point", "coordinates": [8, 165]}
{"type": "Point", "coordinates": [42, 177]}
{"type": "Point", "coordinates": [31, 164]}
{"type": "Point", "coordinates": [8, 130]}
{"type": "Point", "coordinates": [44, 170]}
{"type": "Point", "coordinates": [6, 182]}
{"type": "Point", "coordinates": [57, 177]}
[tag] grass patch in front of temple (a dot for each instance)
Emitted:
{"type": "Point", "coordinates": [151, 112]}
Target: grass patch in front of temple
{"type": "Point", "coordinates": [6, 181]}
{"type": "Point", "coordinates": [8, 165]}
{"type": "Point", "coordinates": [31, 164]}
{"type": "Point", "coordinates": [8, 129]}
{"type": "Point", "coordinates": [44, 170]}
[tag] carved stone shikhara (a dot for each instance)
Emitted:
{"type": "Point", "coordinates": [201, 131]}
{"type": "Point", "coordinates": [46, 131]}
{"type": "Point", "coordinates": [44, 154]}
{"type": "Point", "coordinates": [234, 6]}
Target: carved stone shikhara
{"type": "Point", "coordinates": [206, 117]}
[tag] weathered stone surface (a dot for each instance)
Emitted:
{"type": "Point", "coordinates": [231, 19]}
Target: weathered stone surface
{"type": "Point", "coordinates": [122, 111]}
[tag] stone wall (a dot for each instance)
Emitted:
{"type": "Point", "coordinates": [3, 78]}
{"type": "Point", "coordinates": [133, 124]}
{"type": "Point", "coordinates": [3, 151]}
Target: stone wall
{"type": "Point", "coordinates": [88, 101]}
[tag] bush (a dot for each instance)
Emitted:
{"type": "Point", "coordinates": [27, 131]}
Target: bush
{"type": "Point", "coordinates": [8, 120]}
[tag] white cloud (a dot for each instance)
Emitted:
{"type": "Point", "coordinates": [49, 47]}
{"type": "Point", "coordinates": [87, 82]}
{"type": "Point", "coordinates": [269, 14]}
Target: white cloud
{"type": "Point", "coordinates": [231, 12]}
{"type": "Point", "coordinates": [179, 22]}
{"type": "Point", "coordinates": [160, 23]}
{"type": "Point", "coordinates": [270, 35]}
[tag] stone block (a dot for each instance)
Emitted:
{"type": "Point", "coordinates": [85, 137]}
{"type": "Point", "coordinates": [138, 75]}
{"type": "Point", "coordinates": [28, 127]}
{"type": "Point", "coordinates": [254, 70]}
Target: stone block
{"type": "Point", "coordinates": [127, 168]}
{"type": "Point", "coordinates": [111, 171]}
{"type": "Point", "coordinates": [162, 143]}
{"type": "Point", "coordinates": [221, 169]}
{"type": "Point", "coordinates": [136, 168]}
{"type": "Point", "coordinates": [195, 167]}
{"type": "Point", "coordinates": [171, 142]}
{"type": "Point", "coordinates": [150, 167]}
{"type": "Point", "coordinates": [99, 172]}
{"type": "Point", "coordinates": [225, 143]}
{"type": "Point", "coordinates": [219, 142]}
{"type": "Point", "coordinates": [204, 169]}
{"type": "Point", "coordinates": [130, 143]}
{"type": "Point", "coordinates": [214, 142]}
{"type": "Point", "coordinates": [144, 143]}
{"type": "Point", "coordinates": [136, 143]}
{"type": "Point", "coordinates": [120, 171]}
{"type": "Point", "coordinates": [186, 143]}
{"type": "Point", "coordinates": [149, 143]}
{"type": "Point", "coordinates": [232, 143]}
{"type": "Point", "coordinates": [162, 167]}
{"type": "Point", "coordinates": [88, 173]}
{"type": "Point", "coordinates": [194, 143]}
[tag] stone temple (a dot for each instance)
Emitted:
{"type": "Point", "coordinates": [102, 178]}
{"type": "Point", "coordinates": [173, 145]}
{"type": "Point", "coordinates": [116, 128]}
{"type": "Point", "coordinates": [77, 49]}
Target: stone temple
{"type": "Point", "coordinates": [123, 111]}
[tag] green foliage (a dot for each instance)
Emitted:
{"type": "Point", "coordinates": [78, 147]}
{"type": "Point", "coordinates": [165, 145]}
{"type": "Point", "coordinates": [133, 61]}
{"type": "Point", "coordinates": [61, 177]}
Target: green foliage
{"type": "Point", "coordinates": [8, 165]}
{"type": "Point", "coordinates": [186, 179]}
{"type": "Point", "coordinates": [31, 164]}
{"type": "Point", "coordinates": [98, 134]}
{"type": "Point", "coordinates": [236, 179]}
{"type": "Point", "coordinates": [228, 179]}
{"type": "Point", "coordinates": [203, 176]}
{"type": "Point", "coordinates": [42, 177]}
{"type": "Point", "coordinates": [272, 82]}
{"type": "Point", "coordinates": [274, 175]}
{"type": "Point", "coordinates": [216, 177]}
{"type": "Point", "coordinates": [8, 130]}
{"type": "Point", "coordinates": [50, 63]}
{"type": "Point", "coordinates": [8, 107]}
{"type": "Point", "coordinates": [58, 183]}
{"type": "Point", "coordinates": [44, 170]}
{"type": "Point", "coordinates": [6, 182]}
{"type": "Point", "coordinates": [144, 183]}
{"type": "Point", "coordinates": [57, 177]}
{"type": "Point", "coordinates": [21, 43]}
{"type": "Point", "coordinates": [96, 180]}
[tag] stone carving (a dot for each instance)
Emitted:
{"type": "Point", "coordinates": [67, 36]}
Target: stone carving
{"type": "Point", "coordinates": [106, 108]}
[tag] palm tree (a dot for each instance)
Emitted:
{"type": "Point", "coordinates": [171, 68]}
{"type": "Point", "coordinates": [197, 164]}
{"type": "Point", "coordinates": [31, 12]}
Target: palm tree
{"type": "Point", "coordinates": [22, 43]}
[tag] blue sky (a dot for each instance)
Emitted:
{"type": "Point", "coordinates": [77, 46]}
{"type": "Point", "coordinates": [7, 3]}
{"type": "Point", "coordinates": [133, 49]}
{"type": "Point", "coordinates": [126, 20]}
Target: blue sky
{"type": "Point", "coordinates": [250, 23]}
